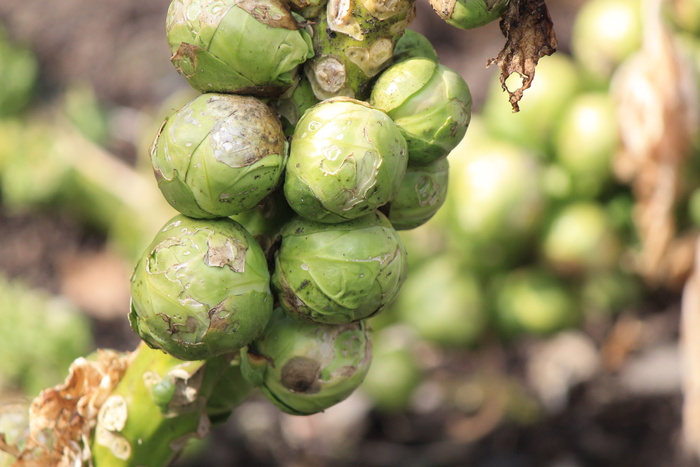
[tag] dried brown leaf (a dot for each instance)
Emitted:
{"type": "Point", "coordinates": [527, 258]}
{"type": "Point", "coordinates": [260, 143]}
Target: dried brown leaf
{"type": "Point", "coordinates": [529, 34]}
{"type": "Point", "coordinates": [61, 417]}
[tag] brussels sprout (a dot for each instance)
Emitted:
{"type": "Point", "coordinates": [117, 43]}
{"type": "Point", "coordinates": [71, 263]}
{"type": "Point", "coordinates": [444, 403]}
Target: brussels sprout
{"type": "Point", "coordinates": [414, 45]}
{"type": "Point", "coordinates": [243, 47]}
{"type": "Point", "coordinates": [19, 69]}
{"type": "Point", "coordinates": [496, 201]}
{"type": "Point", "coordinates": [346, 160]}
{"type": "Point", "coordinates": [604, 34]}
{"type": "Point", "coordinates": [422, 193]}
{"type": "Point", "coordinates": [533, 300]}
{"type": "Point", "coordinates": [201, 289]}
{"type": "Point", "coordinates": [339, 273]}
{"type": "Point", "coordinates": [395, 373]}
{"type": "Point", "coordinates": [304, 368]}
{"type": "Point", "coordinates": [585, 140]}
{"type": "Point", "coordinates": [219, 155]}
{"type": "Point", "coordinates": [469, 14]}
{"type": "Point", "coordinates": [580, 238]}
{"type": "Point", "coordinates": [292, 104]}
{"type": "Point", "coordinates": [430, 104]}
{"type": "Point", "coordinates": [444, 303]}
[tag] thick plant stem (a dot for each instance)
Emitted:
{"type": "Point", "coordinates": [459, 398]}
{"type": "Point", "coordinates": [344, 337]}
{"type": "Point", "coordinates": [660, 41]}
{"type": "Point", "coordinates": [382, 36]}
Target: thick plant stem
{"type": "Point", "coordinates": [354, 40]}
{"type": "Point", "coordinates": [158, 405]}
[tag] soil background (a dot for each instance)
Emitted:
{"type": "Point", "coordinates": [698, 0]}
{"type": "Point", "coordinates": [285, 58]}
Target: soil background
{"type": "Point", "coordinates": [119, 47]}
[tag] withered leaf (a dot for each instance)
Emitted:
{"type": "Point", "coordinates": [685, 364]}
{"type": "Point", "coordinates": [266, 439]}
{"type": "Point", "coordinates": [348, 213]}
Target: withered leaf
{"type": "Point", "coordinates": [529, 34]}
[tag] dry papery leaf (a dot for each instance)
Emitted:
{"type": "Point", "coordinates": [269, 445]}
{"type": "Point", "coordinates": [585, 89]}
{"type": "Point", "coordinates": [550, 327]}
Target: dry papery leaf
{"type": "Point", "coordinates": [529, 34]}
{"type": "Point", "coordinates": [61, 418]}
{"type": "Point", "coordinates": [656, 113]}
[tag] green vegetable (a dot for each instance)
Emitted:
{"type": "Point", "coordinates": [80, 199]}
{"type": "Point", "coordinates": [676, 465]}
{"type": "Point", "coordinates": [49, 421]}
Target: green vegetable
{"type": "Point", "coordinates": [243, 47]}
{"type": "Point", "coordinates": [580, 238]}
{"type": "Point", "coordinates": [339, 273]}
{"type": "Point", "coordinates": [201, 289]}
{"type": "Point", "coordinates": [304, 368]}
{"type": "Point", "coordinates": [292, 104]}
{"type": "Point", "coordinates": [219, 155]}
{"type": "Point", "coordinates": [414, 45]}
{"type": "Point", "coordinates": [346, 160]}
{"type": "Point", "coordinates": [444, 303]}
{"type": "Point", "coordinates": [469, 14]}
{"type": "Point", "coordinates": [423, 191]}
{"type": "Point", "coordinates": [19, 70]}
{"type": "Point", "coordinates": [534, 301]}
{"type": "Point", "coordinates": [430, 103]}
{"type": "Point", "coordinates": [585, 141]}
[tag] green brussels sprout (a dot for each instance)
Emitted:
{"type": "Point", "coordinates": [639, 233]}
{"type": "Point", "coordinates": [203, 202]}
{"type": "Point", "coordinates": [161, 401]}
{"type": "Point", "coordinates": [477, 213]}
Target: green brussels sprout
{"type": "Point", "coordinates": [585, 140]}
{"type": "Point", "coordinates": [304, 368]}
{"type": "Point", "coordinates": [533, 301]}
{"type": "Point", "coordinates": [338, 273]}
{"type": "Point", "coordinates": [220, 155]}
{"type": "Point", "coordinates": [430, 103]}
{"type": "Point", "coordinates": [413, 45]}
{"type": "Point", "coordinates": [293, 103]}
{"type": "Point", "coordinates": [469, 14]}
{"type": "Point", "coordinates": [604, 34]}
{"type": "Point", "coordinates": [19, 69]}
{"type": "Point", "coordinates": [444, 303]}
{"type": "Point", "coordinates": [233, 46]}
{"type": "Point", "coordinates": [346, 160]}
{"type": "Point", "coordinates": [580, 238]}
{"type": "Point", "coordinates": [201, 289]}
{"type": "Point", "coordinates": [395, 373]}
{"type": "Point", "coordinates": [422, 193]}
{"type": "Point", "coordinates": [496, 202]}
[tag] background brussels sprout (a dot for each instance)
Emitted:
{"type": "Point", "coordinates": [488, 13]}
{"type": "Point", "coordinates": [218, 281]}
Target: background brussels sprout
{"type": "Point", "coordinates": [495, 200]}
{"type": "Point", "coordinates": [413, 45]}
{"type": "Point", "coordinates": [580, 238]}
{"type": "Point", "coordinates": [241, 47]}
{"type": "Point", "coordinates": [201, 289]}
{"type": "Point", "coordinates": [585, 140]}
{"type": "Point", "coordinates": [422, 193]}
{"type": "Point", "coordinates": [219, 155]}
{"type": "Point", "coordinates": [469, 14]}
{"type": "Point", "coordinates": [338, 273]}
{"type": "Point", "coordinates": [304, 368]}
{"type": "Point", "coordinates": [444, 303]}
{"type": "Point", "coordinates": [430, 103]}
{"type": "Point", "coordinates": [346, 159]}
{"type": "Point", "coordinates": [535, 301]}
{"type": "Point", "coordinates": [19, 70]}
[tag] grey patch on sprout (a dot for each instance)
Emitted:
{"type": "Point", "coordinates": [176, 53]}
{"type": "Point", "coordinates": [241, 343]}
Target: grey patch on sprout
{"type": "Point", "coordinates": [223, 252]}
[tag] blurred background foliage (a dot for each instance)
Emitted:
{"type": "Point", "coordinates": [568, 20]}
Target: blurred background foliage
{"type": "Point", "coordinates": [526, 333]}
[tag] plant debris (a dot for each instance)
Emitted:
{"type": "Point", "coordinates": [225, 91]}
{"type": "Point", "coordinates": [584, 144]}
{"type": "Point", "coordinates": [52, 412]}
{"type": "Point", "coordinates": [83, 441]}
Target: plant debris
{"type": "Point", "coordinates": [529, 34]}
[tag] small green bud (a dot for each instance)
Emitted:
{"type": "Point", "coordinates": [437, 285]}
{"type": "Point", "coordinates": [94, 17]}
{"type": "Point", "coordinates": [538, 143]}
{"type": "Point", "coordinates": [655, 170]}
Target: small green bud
{"type": "Point", "coordinates": [422, 193]}
{"type": "Point", "coordinates": [414, 45]}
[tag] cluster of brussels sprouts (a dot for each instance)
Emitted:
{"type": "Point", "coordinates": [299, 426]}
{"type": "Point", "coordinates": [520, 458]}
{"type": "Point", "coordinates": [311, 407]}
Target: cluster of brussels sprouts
{"type": "Point", "coordinates": [307, 150]}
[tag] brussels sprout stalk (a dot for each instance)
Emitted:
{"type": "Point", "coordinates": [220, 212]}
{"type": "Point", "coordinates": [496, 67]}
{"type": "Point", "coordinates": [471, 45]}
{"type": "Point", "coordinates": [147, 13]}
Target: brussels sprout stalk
{"type": "Point", "coordinates": [354, 41]}
{"type": "Point", "coordinates": [160, 403]}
